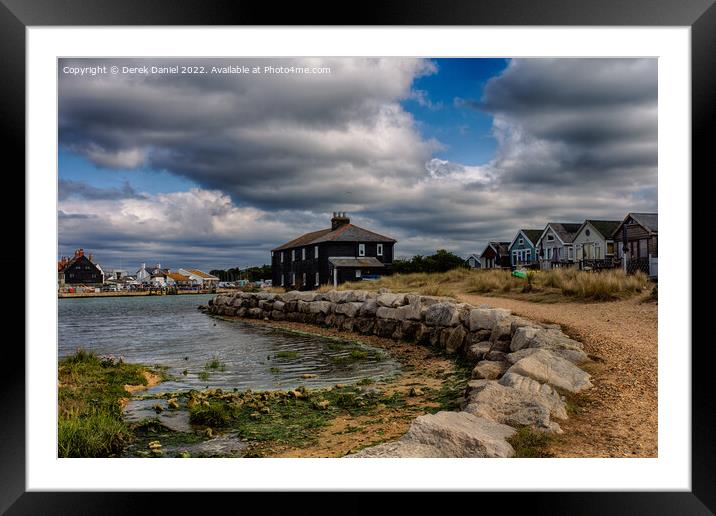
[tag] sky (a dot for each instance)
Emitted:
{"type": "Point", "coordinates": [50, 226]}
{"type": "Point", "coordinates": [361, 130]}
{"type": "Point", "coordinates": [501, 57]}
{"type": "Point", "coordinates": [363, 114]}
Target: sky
{"type": "Point", "coordinates": [213, 170]}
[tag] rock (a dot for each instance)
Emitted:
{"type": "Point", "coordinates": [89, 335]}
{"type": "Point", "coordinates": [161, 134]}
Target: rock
{"type": "Point", "coordinates": [387, 313]}
{"type": "Point", "coordinates": [415, 391]}
{"type": "Point", "coordinates": [368, 308]}
{"type": "Point", "coordinates": [279, 305]}
{"type": "Point", "coordinates": [412, 312]}
{"type": "Point", "coordinates": [543, 339]}
{"type": "Point", "coordinates": [503, 404]}
{"type": "Point", "coordinates": [522, 337]}
{"type": "Point", "coordinates": [576, 356]}
{"type": "Point", "coordinates": [489, 370]}
{"type": "Point", "coordinates": [356, 296]}
{"type": "Point", "coordinates": [477, 351]}
{"type": "Point", "coordinates": [442, 314]}
{"type": "Point", "coordinates": [546, 367]}
{"type": "Point", "coordinates": [153, 445]}
{"type": "Point", "coordinates": [320, 307]}
{"type": "Point", "coordinates": [278, 316]}
{"type": "Point", "coordinates": [286, 297]}
{"type": "Point", "coordinates": [486, 318]}
{"type": "Point", "coordinates": [172, 403]}
{"type": "Point", "coordinates": [494, 355]}
{"type": "Point", "coordinates": [309, 375]}
{"type": "Point", "coordinates": [460, 434]}
{"type": "Point", "coordinates": [422, 335]}
{"type": "Point", "coordinates": [397, 449]}
{"type": "Point", "coordinates": [502, 332]}
{"type": "Point", "coordinates": [322, 404]}
{"type": "Point", "coordinates": [256, 313]}
{"type": "Point", "coordinates": [349, 309]}
{"type": "Point", "coordinates": [384, 327]}
{"type": "Point", "coordinates": [336, 296]}
{"type": "Point", "coordinates": [364, 325]}
{"type": "Point", "coordinates": [409, 330]}
{"type": "Point", "coordinates": [266, 305]}
{"type": "Point", "coordinates": [303, 307]}
{"type": "Point", "coordinates": [391, 300]}
{"type": "Point", "coordinates": [456, 339]}
{"type": "Point", "coordinates": [520, 322]}
{"type": "Point", "coordinates": [557, 407]}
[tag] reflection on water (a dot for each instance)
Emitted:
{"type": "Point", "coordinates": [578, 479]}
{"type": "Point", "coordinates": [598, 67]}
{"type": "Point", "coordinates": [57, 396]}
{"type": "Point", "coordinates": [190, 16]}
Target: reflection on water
{"type": "Point", "coordinates": [170, 331]}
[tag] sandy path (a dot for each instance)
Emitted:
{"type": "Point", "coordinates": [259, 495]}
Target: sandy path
{"type": "Point", "coordinates": [620, 416]}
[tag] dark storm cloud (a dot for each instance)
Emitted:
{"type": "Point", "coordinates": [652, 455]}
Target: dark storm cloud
{"type": "Point", "coordinates": [274, 155]}
{"type": "Point", "coordinates": [68, 188]}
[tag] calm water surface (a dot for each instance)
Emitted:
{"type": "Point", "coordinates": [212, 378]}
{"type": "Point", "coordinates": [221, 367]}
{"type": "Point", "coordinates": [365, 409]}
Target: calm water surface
{"type": "Point", "coordinates": [170, 331]}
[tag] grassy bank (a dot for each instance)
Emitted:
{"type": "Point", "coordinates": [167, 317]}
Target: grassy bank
{"type": "Point", "coordinates": [89, 404]}
{"type": "Point", "coordinates": [554, 285]}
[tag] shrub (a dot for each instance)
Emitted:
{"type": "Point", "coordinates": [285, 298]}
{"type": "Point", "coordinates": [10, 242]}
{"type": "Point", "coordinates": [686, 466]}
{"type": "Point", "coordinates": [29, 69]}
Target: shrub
{"type": "Point", "coordinates": [96, 435]}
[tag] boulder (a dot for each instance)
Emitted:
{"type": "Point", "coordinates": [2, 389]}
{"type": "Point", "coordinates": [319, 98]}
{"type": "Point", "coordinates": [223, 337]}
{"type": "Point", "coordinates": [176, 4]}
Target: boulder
{"type": "Point", "coordinates": [349, 309]}
{"type": "Point", "coordinates": [489, 370]}
{"type": "Point", "coordinates": [409, 330]}
{"type": "Point", "coordinates": [279, 305]}
{"type": "Point", "coordinates": [486, 318]}
{"type": "Point", "coordinates": [495, 355]}
{"type": "Point", "coordinates": [384, 327]}
{"type": "Point", "coordinates": [550, 339]}
{"type": "Point", "coordinates": [368, 308]}
{"type": "Point", "coordinates": [391, 300]}
{"type": "Point", "coordinates": [478, 350]}
{"type": "Point", "coordinates": [398, 449]}
{"type": "Point", "coordinates": [502, 331]}
{"type": "Point", "coordinates": [522, 337]}
{"type": "Point", "coordinates": [547, 367]}
{"type": "Point", "coordinates": [303, 307]}
{"type": "Point", "coordinates": [557, 407]}
{"type": "Point", "coordinates": [520, 322]}
{"type": "Point", "coordinates": [509, 406]}
{"type": "Point", "coordinates": [386, 313]}
{"type": "Point", "coordinates": [256, 313]}
{"type": "Point", "coordinates": [364, 325]}
{"type": "Point", "coordinates": [412, 312]}
{"type": "Point", "coordinates": [278, 315]}
{"type": "Point", "coordinates": [356, 296]}
{"type": "Point", "coordinates": [336, 296]}
{"type": "Point", "coordinates": [422, 335]}
{"type": "Point", "coordinates": [442, 314]}
{"type": "Point", "coordinates": [576, 356]}
{"type": "Point", "coordinates": [461, 434]}
{"type": "Point", "coordinates": [293, 295]}
{"type": "Point", "coordinates": [456, 339]}
{"type": "Point", "coordinates": [320, 307]}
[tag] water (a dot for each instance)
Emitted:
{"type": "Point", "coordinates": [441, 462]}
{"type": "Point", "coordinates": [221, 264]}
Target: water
{"type": "Point", "coordinates": [170, 331]}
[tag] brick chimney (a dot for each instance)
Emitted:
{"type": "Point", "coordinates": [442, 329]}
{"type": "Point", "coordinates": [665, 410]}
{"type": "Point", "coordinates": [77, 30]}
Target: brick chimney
{"type": "Point", "coordinates": [339, 219]}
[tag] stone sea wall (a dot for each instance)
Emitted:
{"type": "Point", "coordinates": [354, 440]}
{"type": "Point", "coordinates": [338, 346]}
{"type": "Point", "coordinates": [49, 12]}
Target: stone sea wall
{"type": "Point", "coordinates": [520, 365]}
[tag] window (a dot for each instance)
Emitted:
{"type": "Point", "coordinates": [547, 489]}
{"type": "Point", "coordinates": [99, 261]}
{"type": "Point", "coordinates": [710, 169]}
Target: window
{"type": "Point", "coordinates": [549, 253]}
{"type": "Point", "coordinates": [282, 257]}
{"type": "Point", "coordinates": [293, 255]}
{"type": "Point", "coordinates": [361, 249]}
{"type": "Point", "coordinates": [357, 273]}
{"type": "Point", "coordinates": [315, 252]}
{"type": "Point", "coordinates": [610, 247]}
{"type": "Point", "coordinates": [521, 241]}
{"type": "Point", "coordinates": [293, 278]}
{"type": "Point", "coordinates": [304, 279]}
{"type": "Point", "coordinates": [527, 256]}
{"type": "Point", "coordinates": [550, 238]}
{"type": "Point", "coordinates": [303, 253]}
{"type": "Point", "coordinates": [570, 253]}
{"type": "Point", "coordinates": [317, 276]}
{"type": "Point", "coordinates": [380, 250]}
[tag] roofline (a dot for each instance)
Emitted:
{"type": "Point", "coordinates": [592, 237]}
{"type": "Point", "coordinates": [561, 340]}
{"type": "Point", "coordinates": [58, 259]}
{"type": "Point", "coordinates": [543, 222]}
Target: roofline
{"type": "Point", "coordinates": [544, 231]}
{"type": "Point", "coordinates": [631, 214]}
{"type": "Point", "coordinates": [524, 235]}
{"type": "Point", "coordinates": [595, 228]}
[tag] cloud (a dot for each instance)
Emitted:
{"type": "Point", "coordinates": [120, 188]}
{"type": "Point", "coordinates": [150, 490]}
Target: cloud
{"type": "Point", "coordinates": [274, 155]}
{"type": "Point", "coordinates": [76, 189]}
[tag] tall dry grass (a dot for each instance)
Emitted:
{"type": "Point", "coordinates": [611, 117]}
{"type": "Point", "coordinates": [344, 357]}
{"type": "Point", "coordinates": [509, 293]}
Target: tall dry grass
{"type": "Point", "coordinates": [567, 282]}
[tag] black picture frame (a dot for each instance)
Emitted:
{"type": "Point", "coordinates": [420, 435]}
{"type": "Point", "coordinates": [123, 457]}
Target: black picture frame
{"type": "Point", "coordinates": [17, 15]}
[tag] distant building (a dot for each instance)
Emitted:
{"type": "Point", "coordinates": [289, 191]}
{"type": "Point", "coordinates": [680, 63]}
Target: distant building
{"type": "Point", "coordinates": [200, 278]}
{"type": "Point", "coordinates": [144, 275]}
{"type": "Point", "coordinates": [79, 270]}
{"type": "Point", "coordinates": [556, 244]}
{"type": "Point", "coordinates": [343, 252]}
{"type": "Point", "coordinates": [496, 255]}
{"type": "Point", "coordinates": [639, 233]}
{"type": "Point", "coordinates": [473, 261]}
{"type": "Point", "coordinates": [176, 279]}
{"type": "Point", "coordinates": [523, 248]}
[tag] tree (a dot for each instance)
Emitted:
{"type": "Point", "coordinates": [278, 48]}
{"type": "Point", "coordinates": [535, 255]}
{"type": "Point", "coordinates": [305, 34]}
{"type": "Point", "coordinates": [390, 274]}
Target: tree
{"type": "Point", "coordinates": [441, 261]}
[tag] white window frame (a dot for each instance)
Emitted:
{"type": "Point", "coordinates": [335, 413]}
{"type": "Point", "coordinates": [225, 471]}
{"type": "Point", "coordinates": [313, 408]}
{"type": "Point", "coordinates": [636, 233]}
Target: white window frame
{"type": "Point", "coordinates": [303, 253]}
{"type": "Point", "coordinates": [282, 277]}
{"type": "Point", "coordinates": [358, 273]}
{"type": "Point", "coordinates": [293, 279]}
{"type": "Point", "coordinates": [528, 255]}
{"type": "Point", "coordinates": [293, 255]}
{"type": "Point", "coordinates": [304, 279]}
{"type": "Point", "coordinates": [282, 253]}
{"type": "Point", "coordinates": [318, 279]}
{"type": "Point", "coordinates": [315, 251]}
{"type": "Point", "coordinates": [521, 241]}
{"type": "Point", "coordinates": [550, 238]}
{"type": "Point", "coordinates": [361, 249]}
{"type": "Point", "coordinates": [379, 250]}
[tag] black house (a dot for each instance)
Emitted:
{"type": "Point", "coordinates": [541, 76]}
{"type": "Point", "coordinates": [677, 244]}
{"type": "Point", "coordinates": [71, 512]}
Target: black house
{"type": "Point", "coordinates": [344, 252]}
{"type": "Point", "coordinates": [79, 270]}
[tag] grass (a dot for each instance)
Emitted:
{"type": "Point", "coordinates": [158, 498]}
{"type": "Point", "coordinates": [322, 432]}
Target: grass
{"type": "Point", "coordinates": [216, 364]}
{"type": "Point", "coordinates": [89, 411]}
{"type": "Point", "coordinates": [553, 285]}
{"type": "Point", "coordinates": [285, 418]}
{"type": "Point", "coordinates": [452, 388]}
{"type": "Point", "coordinates": [528, 442]}
{"type": "Point", "coordinates": [289, 355]}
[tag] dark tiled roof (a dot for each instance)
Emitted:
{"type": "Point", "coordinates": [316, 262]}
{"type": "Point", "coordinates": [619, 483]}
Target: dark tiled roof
{"type": "Point", "coordinates": [345, 233]}
{"type": "Point", "coordinates": [566, 231]}
{"type": "Point", "coordinates": [605, 227]}
{"type": "Point", "coordinates": [649, 220]}
{"type": "Point", "coordinates": [532, 234]}
{"type": "Point", "coordinates": [356, 262]}
{"type": "Point", "coordinates": [502, 248]}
